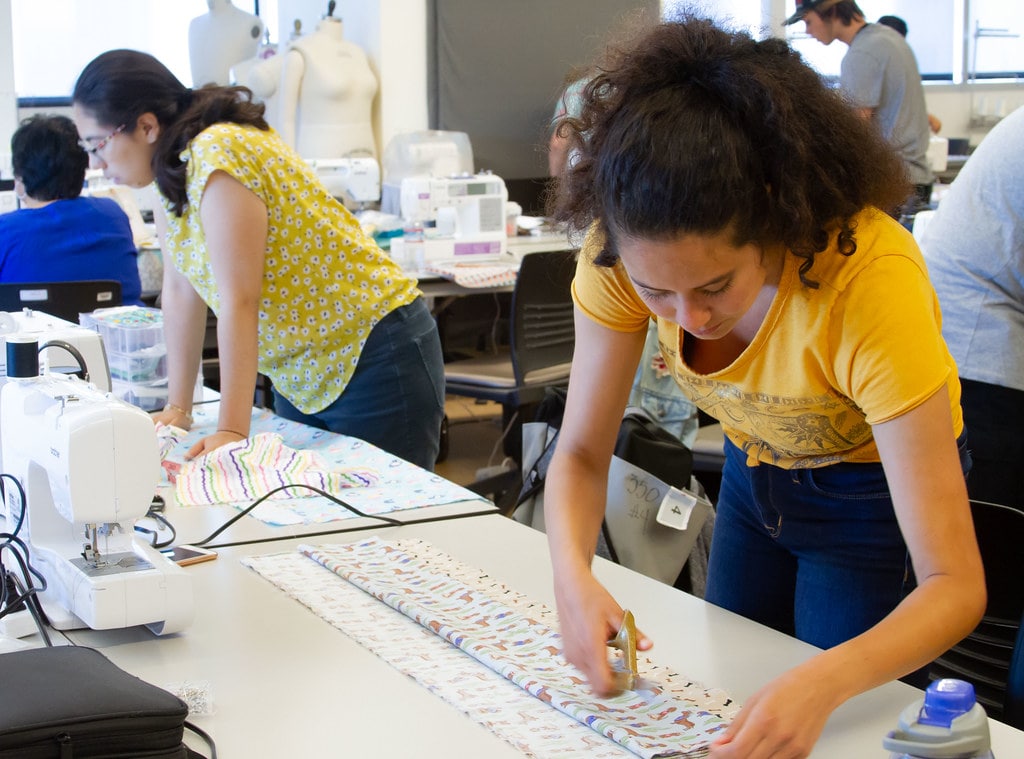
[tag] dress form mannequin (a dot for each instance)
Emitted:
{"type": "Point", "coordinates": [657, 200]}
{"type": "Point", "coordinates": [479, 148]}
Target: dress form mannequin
{"type": "Point", "coordinates": [325, 95]}
{"type": "Point", "coordinates": [262, 76]}
{"type": "Point", "coordinates": [219, 39]}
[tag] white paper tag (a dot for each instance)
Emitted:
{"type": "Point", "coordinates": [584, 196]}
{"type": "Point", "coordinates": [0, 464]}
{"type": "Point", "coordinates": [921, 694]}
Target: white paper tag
{"type": "Point", "coordinates": [675, 509]}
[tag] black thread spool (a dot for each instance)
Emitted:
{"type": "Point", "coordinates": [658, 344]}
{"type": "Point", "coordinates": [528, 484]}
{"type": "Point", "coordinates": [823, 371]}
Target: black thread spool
{"type": "Point", "coordinates": [22, 357]}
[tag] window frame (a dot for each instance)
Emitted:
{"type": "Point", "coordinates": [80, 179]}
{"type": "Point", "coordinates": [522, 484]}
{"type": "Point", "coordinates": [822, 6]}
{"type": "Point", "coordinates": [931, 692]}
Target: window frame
{"type": "Point", "coordinates": [50, 100]}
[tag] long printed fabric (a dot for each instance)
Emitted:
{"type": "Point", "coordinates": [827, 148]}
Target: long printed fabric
{"type": "Point", "coordinates": [670, 718]}
{"type": "Point", "coordinates": [401, 486]}
{"type": "Point", "coordinates": [251, 468]}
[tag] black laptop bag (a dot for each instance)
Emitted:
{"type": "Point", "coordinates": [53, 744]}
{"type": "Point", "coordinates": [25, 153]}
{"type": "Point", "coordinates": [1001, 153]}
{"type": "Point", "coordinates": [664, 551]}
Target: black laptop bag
{"type": "Point", "coordinates": [69, 702]}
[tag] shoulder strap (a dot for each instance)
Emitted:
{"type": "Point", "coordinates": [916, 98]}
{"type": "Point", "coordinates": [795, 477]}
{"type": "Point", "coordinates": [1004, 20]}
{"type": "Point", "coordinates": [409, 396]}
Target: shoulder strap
{"type": "Point", "coordinates": [533, 480]}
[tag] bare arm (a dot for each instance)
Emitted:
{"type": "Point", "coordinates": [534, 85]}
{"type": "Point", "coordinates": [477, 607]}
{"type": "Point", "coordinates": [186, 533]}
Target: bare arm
{"type": "Point", "coordinates": [921, 464]}
{"type": "Point", "coordinates": [603, 366]}
{"type": "Point", "coordinates": [235, 225]}
{"type": "Point", "coordinates": [183, 335]}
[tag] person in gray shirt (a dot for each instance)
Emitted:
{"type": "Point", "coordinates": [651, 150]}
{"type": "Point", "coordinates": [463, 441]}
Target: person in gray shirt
{"type": "Point", "coordinates": [974, 248]}
{"type": "Point", "coordinates": [879, 76]}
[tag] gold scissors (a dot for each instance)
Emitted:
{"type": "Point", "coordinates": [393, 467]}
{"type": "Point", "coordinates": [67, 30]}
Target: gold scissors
{"type": "Point", "coordinates": [624, 669]}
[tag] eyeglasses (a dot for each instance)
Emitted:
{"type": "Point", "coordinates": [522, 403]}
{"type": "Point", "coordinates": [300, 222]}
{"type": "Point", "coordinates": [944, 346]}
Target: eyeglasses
{"type": "Point", "coordinates": [95, 149]}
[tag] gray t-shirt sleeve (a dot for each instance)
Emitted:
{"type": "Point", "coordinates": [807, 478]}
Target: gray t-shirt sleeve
{"type": "Point", "coordinates": [861, 77]}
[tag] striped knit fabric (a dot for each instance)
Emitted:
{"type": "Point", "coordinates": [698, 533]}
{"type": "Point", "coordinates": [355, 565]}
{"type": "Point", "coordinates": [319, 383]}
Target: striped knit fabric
{"type": "Point", "coordinates": [246, 470]}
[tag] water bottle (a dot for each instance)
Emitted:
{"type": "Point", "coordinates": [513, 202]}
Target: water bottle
{"type": "Point", "coordinates": [947, 724]}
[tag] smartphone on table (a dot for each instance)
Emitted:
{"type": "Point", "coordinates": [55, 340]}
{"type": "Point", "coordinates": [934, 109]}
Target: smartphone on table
{"type": "Point", "coordinates": [185, 554]}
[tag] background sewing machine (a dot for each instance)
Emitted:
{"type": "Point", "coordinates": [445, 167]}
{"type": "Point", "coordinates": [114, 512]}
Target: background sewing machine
{"type": "Point", "coordinates": [450, 212]}
{"type": "Point", "coordinates": [462, 218]}
{"type": "Point", "coordinates": [89, 466]}
{"type": "Point", "coordinates": [355, 181]}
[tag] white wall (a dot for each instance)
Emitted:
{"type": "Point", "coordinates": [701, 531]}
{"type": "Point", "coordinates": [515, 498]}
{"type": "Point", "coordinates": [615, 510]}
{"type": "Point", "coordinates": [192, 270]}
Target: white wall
{"type": "Point", "coordinates": [8, 98]}
{"type": "Point", "coordinates": [954, 105]}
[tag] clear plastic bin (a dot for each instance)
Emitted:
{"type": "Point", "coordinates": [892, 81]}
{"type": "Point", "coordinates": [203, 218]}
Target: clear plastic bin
{"type": "Point", "coordinates": [147, 365]}
{"type": "Point", "coordinates": [148, 396]}
{"type": "Point", "coordinates": [127, 329]}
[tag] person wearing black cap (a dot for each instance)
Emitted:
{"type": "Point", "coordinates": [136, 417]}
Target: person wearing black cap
{"type": "Point", "coordinates": [879, 76]}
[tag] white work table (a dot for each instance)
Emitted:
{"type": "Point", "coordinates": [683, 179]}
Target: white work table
{"type": "Point", "coordinates": [286, 683]}
{"type": "Point", "coordinates": [193, 524]}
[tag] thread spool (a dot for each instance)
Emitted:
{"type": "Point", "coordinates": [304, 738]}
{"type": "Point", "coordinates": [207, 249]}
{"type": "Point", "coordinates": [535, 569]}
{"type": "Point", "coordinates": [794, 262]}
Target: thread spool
{"type": "Point", "coordinates": [22, 357]}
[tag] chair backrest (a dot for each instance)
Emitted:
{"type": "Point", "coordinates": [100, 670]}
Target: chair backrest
{"type": "Point", "coordinates": [1000, 531]}
{"type": "Point", "coordinates": [65, 300]}
{"type": "Point", "coordinates": [991, 656]}
{"type": "Point", "coordinates": [543, 334]}
{"type": "Point", "coordinates": [1013, 707]}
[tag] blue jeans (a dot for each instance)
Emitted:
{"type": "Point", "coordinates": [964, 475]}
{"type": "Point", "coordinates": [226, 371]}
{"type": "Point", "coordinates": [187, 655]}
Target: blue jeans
{"type": "Point", "coordinates": [815, 553]}
{"type": "Point", "coordinates": [395, 398]}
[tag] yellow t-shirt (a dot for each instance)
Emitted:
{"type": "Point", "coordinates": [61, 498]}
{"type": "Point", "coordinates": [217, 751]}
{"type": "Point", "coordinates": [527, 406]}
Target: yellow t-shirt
{"type": "Point", "coordinates": [325, 283]}
{"type": "Point", "coordinates": [862, 348]}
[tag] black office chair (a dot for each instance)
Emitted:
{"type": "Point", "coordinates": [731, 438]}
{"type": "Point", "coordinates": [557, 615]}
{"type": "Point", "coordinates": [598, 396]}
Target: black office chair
{"type": "Point", "coordinates": [65, 300]}
{"type": "Point", "coordinates": [1013, 706]}
{"type": "Point", "coordinates": [990, 657]}
{"type": "Point", "coordinates": [542, 338]}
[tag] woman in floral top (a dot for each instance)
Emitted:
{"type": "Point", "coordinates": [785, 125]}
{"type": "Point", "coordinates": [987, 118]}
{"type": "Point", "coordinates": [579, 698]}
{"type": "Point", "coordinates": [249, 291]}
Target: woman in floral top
{"type": "Point", "coordinates": [301, 294]}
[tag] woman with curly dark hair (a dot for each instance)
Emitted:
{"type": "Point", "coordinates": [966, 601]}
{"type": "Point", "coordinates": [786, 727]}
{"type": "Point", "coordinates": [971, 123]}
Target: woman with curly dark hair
{"type": "Point", "coordinates": [300, 292]}
{"type": "Point", "coordinates": [729, 194]}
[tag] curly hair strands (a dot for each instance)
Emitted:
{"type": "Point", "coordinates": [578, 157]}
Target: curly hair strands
{"type": "Point", "coordinates": [693, 130]}
{"type": "Point", "coordinates": [118, 86]}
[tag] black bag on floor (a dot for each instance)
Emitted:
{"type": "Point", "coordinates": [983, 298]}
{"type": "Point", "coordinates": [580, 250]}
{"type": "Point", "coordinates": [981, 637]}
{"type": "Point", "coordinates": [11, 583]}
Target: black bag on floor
{"type": "Point", "coordinates": [69, 702]}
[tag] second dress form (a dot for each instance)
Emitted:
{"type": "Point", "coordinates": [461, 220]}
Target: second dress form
{"type": "Point", "coordinates": [324, 101]}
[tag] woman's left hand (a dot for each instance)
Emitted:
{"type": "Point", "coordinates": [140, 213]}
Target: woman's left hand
{"type": "Point", "coordinates": [783, 720]}
{"type": "Point", "coordinates": [212, 442]}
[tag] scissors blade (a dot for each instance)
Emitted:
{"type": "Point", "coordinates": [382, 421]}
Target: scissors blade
{"type": "Point", "coordinates": [625, 669]}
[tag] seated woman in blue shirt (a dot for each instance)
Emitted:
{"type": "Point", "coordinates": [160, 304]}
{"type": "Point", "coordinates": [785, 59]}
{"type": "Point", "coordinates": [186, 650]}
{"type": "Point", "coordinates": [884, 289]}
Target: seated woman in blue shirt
{"type": "Point", "coordinates": [56, 235]}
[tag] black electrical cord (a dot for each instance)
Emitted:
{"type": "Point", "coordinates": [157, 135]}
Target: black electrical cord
{"type": "Point", "coordinates": [205, 736]}
{"type": "Point", "coordinates": [83, 370]}
{"type": "Point", "coordinates": [157, 517]}
{"type": "Point", "coordinates": [30, 596]}
{"type": "Point", "coordinates": [261, 499]}
{"type": "Point", "coordinates": [27, 593]}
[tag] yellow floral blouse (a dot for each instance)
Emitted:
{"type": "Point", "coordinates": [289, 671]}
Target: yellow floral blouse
{"type": "Point", "coordinates": [325, 283]}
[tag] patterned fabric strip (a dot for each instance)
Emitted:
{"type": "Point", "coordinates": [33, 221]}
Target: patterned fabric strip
{"type": "Point", "coordinates": [529, 725]}
{"type": "Point", "coordinates": [671, 717]}
{"type": "Point", "coordinates": [251, 468]}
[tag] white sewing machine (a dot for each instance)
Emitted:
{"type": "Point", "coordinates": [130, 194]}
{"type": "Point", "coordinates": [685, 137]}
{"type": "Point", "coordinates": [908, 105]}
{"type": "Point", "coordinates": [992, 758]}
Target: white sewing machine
{"type": "Point", "coordinates": [463, 216]}
{"type": "Point", "coordinates": [89, 465]}
{"type": "Point", "coordinates": [356, 181]}
{"type": "Point", "coordinates": [62, 337]}
{"type": "Point", "coordinates": [57, 332]}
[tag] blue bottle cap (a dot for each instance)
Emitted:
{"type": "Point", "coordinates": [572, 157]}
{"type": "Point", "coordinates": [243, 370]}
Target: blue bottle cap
{"type": "Point", "coordinates": [944, 701]}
